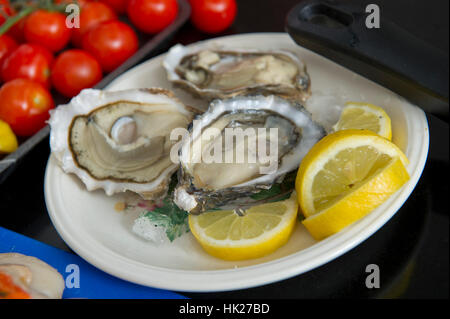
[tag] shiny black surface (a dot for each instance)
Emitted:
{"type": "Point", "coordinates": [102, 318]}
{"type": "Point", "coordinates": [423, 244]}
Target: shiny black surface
{"type": "Point", "coordinates": [411, 250]}
{"type": "Point", "coordinates": [339, 32]}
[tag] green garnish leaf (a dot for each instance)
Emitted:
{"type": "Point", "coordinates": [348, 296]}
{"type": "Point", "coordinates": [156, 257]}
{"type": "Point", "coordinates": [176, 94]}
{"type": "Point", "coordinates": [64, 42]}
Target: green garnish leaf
{"type": "Point", "coordinates": [169, 216]}
{"type": "Point", "coordinates": [267, 193]}
{"type": "Point", "coordinates": [275, 192]}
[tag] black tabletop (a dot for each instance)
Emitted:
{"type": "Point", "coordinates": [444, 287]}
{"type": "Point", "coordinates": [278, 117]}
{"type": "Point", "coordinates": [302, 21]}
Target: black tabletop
{"type": "Point", "coordinates": [411, 250]}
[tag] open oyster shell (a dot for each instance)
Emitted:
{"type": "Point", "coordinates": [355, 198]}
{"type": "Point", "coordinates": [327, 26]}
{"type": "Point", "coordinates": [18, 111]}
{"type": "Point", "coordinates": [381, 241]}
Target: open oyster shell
{"type": "Point", "coordinates": [223, 73]}
{"type": "Point", "coordinates": [280, 125]}
{"type": "Point", "coordinates": [35, 277]}
{"type": "Point", "coordinates": [119, 141]}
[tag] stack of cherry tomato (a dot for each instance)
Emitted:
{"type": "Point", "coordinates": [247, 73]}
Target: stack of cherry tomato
{"type": "Point", "coordinates": [41, 52]}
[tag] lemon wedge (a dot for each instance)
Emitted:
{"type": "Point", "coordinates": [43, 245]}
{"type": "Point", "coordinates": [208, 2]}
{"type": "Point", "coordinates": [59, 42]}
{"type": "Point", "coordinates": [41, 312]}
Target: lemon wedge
{"type": "Point", "coordinates": [358, 115]}
{"type": "Point", "coordinates": [8, 141]}
{"type": "Point", "coordinates": [345, 176]}
{"type": "Point", "coordinates": [256, 232]}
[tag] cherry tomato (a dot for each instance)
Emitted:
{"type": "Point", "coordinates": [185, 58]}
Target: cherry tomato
{"type": "Point", "coordinates": [213, 16]}
{"type": "Point", "coordinates": [48, 29]}
{"type": "Point", "coordinates": [16, 30]}
{"type": "Point", "coordinates": [7, 46]}
{"type": "Point", "coordinates": [92, 14]}
{"type": "Point", "coordinates": [24, 105]}
{"type": "Point", "coordinates": [30, 61]}
{"type": "Point", "coordinates": [75, 70]}
{"type": "Point", "coordinates": [119, 6]}
{"type": "Point", "coordinates": [111, 43]}
{"type": "Point", "coordinates": [152, 16]}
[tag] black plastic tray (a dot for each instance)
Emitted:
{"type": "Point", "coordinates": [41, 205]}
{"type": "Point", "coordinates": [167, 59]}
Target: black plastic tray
{"type": "Point", "coordinates": [388, 55]}
{"type": "Point", "coordinates": [148, 45]}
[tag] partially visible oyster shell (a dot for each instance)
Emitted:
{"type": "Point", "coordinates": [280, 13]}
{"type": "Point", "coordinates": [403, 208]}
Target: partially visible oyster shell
{"type": "Point", "coordinates": [220, 73]}
{"type": "Point", "coordinates": [119, 141]}
{"type": "Point", "coordinates": [205, 184]}
{"type": "Point", "coordinates": [37, 279]}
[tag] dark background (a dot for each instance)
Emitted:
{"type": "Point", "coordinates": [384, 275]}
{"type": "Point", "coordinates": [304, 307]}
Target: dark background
{"type": "Point", "coordinates": [411, 250]}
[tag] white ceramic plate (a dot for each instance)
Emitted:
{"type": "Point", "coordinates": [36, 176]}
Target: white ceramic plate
{"type": "Point", "coordinates": [89, 224]}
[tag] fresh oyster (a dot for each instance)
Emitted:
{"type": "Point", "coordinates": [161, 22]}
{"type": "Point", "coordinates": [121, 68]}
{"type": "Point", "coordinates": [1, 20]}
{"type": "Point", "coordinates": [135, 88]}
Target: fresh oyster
{"type": "Point", "coordinates": [34, 278]}
{"type": "Point", "coordinates": [119, 140]}
{"type": "Point", "coordinates": [240, 146]}
{"type": "Point", "coordinates": [213, 73]}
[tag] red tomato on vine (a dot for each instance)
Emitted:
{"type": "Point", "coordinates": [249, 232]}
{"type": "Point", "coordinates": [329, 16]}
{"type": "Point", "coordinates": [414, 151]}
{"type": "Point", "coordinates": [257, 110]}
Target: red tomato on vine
{"type": "Point", "coordinates": [111, 43]}
{"type": "Point", "coordinates": [29, 61]}
{"type": "Point", "coordinates": [75, 70]}
{"type": "Point", "coordinates": [47, 28]}
{"type": "Point", "coordinates": [152, 16]}
{"type": "Point", "coordinates": [213, 16]}
{"type": "Point", "coordinates": [25, 105]}
{"type": "Point", "coordinates": [91, 15]}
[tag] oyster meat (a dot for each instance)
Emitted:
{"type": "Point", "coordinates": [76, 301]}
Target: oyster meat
{"type": "Point", "coordinates": [119, 140]}
{"type": "Point", "coordinates": [240, 146]}
{"type": "Point", "coordinates": [212, 73]}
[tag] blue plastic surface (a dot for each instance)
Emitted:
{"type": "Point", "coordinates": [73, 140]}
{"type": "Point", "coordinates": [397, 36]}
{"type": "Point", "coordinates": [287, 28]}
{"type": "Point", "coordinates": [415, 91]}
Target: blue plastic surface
{"type": "Point", "coordinates": [82, 279]}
